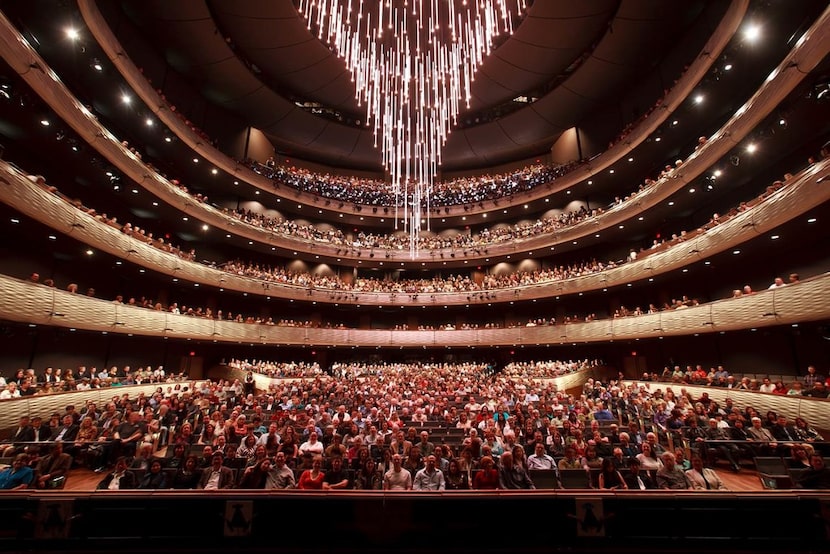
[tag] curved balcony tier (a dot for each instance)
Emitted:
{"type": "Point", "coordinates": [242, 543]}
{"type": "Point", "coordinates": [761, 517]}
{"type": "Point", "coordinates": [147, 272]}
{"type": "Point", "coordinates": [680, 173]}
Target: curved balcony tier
{"type": "Point", "coordinates": [32, 303]}
{"type": "Point", "coordinates": [813, 46]}
{"type": "Point", "coordinates": [799, 196]}
{"type": "Point", "coordinates": [684, 86]}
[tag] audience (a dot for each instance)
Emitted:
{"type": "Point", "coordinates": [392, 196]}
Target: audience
{"type": "Point", "coordinates": [515, 409]}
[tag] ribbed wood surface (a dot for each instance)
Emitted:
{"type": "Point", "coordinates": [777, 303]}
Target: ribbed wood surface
{"type": "Point", "coordinates": [758, 107]}
{"type": "Point", "coordinates": [816, 411]}
{"type": "Point", "coordinates": [796, 198]}
{"type": "Point", "coordinates": [31, 303]}
{"type": "Point", "coordinates": [809, 51]}
{"type": "Point", "coordinates": [45, 405]}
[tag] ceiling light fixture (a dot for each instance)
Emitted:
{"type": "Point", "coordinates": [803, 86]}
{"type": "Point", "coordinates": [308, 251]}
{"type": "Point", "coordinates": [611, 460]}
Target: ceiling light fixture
{"type": "Point", "coordinates": [412, 66]}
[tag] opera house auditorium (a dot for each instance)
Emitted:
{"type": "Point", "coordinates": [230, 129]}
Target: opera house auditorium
{"type": "Point", "coordinates": [503, 275]}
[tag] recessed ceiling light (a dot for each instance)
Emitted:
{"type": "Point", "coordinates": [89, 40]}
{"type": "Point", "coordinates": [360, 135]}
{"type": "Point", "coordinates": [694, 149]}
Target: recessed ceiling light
{"type": "Point", "coordinates": [699, 99]}
{"type": "Point", "coordinates": [775, 237]}
{"type": "Point", "coordinates": [72, 34]}
{"type": "Point", "coordinates": [736, 252]}
{"type": "Point", "coordinates": [44, 122]}
{"type": "Point", "coordinates": [812, 220]}
{"type": "Point", "coordinates": [126, 98]}
{"type": "Point", "coordinates": [752, 32]}
{"type": "Point", "coordinates": [149, 122]}
{"type": "Point", "coordinates": [727, 67]}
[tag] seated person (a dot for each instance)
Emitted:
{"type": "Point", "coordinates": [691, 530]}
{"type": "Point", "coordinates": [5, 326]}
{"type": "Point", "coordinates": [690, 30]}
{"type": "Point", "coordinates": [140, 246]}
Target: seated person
{"type": "Point", "coordinates": [187, 475]}
{"type": "Point", "coordinates": [154, 478]}
{"type": "Point", "coordinates": [513, 475]}
{"type": "Point", "coordinates": [217, 476]}
{"type": "Point", "coordinates": [487, 477]}
{"type": "Point", "coordinates": [800, 456]}
{"type": "Point", "coordinates": [119, 478]}
{"type": "Point", "coordinates": [703, 478]}
{"type": "Point", "coordinates": [52, 468]}
{"type": "Point", "coordinates": [312, 479]}
{"type": "Point", "coordinates": [636, 479]}
{"type": "Point", "coordinates": [336, 477]}
{"type": "Point", "coordinates": [671, 476]}
{"type": "Point", "coordinates": [18, 476]}
{"type": "Point", "coordinates": [817, 477]}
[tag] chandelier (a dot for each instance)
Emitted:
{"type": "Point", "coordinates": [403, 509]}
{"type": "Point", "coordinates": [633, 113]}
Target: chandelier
{"type": "Point", "coordinates": [413, 63]}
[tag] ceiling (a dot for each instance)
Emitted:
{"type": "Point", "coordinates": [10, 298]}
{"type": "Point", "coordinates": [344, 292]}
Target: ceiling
{"type": "Point", "coordinates": [258, 60]}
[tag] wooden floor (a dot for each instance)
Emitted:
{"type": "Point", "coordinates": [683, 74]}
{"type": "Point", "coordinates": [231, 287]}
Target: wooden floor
{"type": "Point", "coordinates": [85, 480]}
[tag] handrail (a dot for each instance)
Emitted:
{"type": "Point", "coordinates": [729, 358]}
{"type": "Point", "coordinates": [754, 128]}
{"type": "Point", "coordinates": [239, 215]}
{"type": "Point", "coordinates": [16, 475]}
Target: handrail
{"type": "Point", "coordinates": [797, 197]}
{"type": "Point", "coordinates": [764, 101]}
{"type": "Point", "coordinates": [28, 302]}
{"type": "Point", "coordinates": [44, 404]}
{"type": "Point", "coordinates": [814, 410]}
{"type": "Point", "coordinates": [809, 51]}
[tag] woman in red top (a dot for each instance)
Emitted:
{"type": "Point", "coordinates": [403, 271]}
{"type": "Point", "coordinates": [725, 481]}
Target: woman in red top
{"type": "Point", "coordinates": [312, 479]}
{"type": "Point", "coordinates": [487, 477]}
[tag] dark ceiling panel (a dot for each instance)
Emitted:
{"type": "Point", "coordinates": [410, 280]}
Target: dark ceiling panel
{"type": "Point", "coordinates": [258, 59]}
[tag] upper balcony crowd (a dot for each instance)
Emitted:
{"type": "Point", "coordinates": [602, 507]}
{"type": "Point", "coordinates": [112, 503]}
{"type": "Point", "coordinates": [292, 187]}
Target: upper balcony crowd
{"type": "Point", "coordinates": [438, 283]}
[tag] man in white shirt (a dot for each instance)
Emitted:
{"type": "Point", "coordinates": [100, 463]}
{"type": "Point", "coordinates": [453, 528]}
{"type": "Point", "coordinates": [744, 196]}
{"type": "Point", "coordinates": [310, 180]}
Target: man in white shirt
{"type": "Point", "coordinates": [216, 476]}
{"type": "Point", "coordinates": [703, 478]}
{"type": "Point", "coordinates": [540, 459]}
{"type": "Point", "coordinates": [779, 282]}
{"type": "Point", "coordinates": [281, 476]}
{"type": "Point", "coordinates": [397, 478]}
{"type": "Point", "coordinates": [429, 478]}
{"type": "Point", "coordinates": [10, 392]}
{"type": "Point", "coordinates": [119, 479]}
{"type": "Point", "coordinates": [766, 386]}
